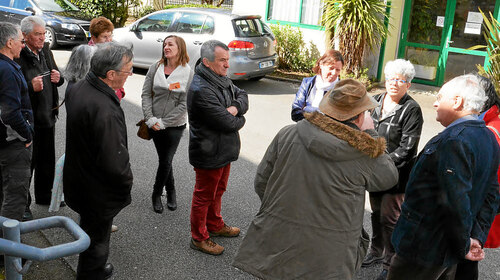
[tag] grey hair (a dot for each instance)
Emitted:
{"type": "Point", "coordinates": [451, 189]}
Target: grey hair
{"type": "Point", "coordinates": [402, 67]}
{"type": "Point", "coordinates": [8, 31]}
{"type": "Point", "coordinates": [208, 49]}
{"type": "Point", "coordinates": [109, 56]}
{"type": "Point", "coordinates": [469, 88]}
{"type": "Point", "coordinates": [79, 63]}
{"type": "Point", "coordinates": [28, 23]}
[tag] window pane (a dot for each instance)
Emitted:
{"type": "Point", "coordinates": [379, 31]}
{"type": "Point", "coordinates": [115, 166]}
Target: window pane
{"type": "Point", "coordinates": [286, 10]}
{"type": "Point", "coordinates": [208, 27]}
{"type": "Point", "coordinates": [427, 21]}
{"type": "Point", "coordinates": [311, 11]}
{"type": "Point", "coordinates": [467, 27]}
{"type": "Point", "coordinates": [460, 64]}
{"type": "Point", "coordinates": [156, 23]}
{"type": "Point", "coordinates": [425, 62]}
{"type": "Point", "coordinates": [190, 23]}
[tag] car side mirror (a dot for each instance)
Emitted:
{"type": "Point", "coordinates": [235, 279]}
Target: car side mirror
{"type": "Point", "coordinates": [133, 28]}
{"type": "Point", "coordinates": [30, 9]}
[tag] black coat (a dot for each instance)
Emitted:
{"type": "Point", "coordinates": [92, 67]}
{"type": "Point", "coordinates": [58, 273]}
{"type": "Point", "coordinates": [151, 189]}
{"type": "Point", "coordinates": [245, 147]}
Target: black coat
{"type": "Point", "coordinates": [44, 103]}
{"type": "Point", "coordinates": [97, 175]}
{"type": "Point", "coordinates": [401, 129]}
{"type": "Point", "coordinates": [214, 140]}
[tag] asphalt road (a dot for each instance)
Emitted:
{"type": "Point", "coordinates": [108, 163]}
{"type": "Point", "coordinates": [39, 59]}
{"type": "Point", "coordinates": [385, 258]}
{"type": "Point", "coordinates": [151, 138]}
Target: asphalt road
{"type": "Point", "coordinates": [156, 246]}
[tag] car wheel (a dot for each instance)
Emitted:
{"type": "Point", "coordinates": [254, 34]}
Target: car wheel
{"type": "Point", "coordinates": [255, 79]}
{"type": "Point", "coordinates": [50, 37]}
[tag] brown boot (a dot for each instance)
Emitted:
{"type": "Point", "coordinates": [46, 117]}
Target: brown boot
{"type": "Point", "coordinates": [207, 247]}
{"type": "Point", "coordinates": [226, 231]}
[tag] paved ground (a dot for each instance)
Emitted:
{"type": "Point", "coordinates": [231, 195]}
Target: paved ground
{"type": "Point", "coordinates": [156, 246]}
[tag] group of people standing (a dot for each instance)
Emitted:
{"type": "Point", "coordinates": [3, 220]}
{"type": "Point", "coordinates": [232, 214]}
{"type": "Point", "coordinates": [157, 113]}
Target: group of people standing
{"type": "Point", "coordinates": [431, 213]}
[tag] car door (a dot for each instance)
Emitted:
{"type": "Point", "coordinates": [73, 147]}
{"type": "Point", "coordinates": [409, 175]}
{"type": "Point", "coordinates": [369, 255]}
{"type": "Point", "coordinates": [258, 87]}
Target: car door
{"type": "Point", "coordinates": [147, 37]}
{"type": "Point", "coordinates": [195, 29]}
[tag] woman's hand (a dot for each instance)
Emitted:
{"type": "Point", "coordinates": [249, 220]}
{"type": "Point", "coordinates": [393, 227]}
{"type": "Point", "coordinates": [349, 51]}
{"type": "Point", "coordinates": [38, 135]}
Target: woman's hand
{"type": "Point", "coordinates": [156, 127]}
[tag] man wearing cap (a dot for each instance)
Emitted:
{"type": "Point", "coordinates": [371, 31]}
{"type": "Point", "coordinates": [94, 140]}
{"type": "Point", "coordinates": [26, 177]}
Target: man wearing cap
{"type": "Point", "coordinates": [452, 194]}
{"type": "Point", "coordinates": [312, 183]}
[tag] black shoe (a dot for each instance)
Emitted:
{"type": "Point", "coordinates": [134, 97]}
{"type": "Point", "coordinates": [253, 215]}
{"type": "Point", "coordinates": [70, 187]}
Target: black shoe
{"type": "Point", "coordinates": [383, 275]}
{"type": "Point", "coordinates": [27, 216]}
{"type": "Point", "coordinates": [108, 271]}
{"type": "Point", "coordinates": [63, 204]}
{"type": "Point", "coordinates": [157, 205]}
{"type": "Point", "coordinates": [171, 200]}
{"type": "Point", "coordinates": [372, 259]}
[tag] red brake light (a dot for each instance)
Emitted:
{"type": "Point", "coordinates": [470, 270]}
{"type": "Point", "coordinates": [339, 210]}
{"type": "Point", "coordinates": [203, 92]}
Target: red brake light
{"type": "Point", "coordinates": [240, 46]}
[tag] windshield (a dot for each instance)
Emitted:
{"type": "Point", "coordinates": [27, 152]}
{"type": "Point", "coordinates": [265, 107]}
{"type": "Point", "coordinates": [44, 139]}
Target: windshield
{"type": "Point", "coordinates": [55, 5]}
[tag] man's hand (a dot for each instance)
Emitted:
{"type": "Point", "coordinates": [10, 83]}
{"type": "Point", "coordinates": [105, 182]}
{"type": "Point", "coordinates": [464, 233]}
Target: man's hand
{"type": "Point", "coordinates": [476, 252]}
{"type": "Point", "coordinates": [37, 83]}
{"type": "Point", "coordinates": [232, 110]}
{"type": "Point", "coordinates": [55, 76]}
{"type": "Point", "coordinates": [28, 144]}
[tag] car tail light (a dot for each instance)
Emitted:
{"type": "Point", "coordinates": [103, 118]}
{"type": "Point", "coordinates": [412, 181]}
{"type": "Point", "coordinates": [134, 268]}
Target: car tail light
{"type": "Point", "coordinates": [241, 45]}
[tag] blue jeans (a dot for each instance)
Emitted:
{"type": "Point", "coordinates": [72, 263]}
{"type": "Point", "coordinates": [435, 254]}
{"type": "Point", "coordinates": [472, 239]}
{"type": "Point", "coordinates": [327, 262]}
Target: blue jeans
{"type": "Point", "coordinates": [15, 174]}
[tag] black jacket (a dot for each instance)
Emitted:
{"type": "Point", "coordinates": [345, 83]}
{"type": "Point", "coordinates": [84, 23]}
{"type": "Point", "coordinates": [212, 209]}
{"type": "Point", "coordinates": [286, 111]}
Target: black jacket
{"type": "Point", "coordinates": [97, 175]}
{"type": "Point", "coordinates": [214, 140]}
{"type": "Point", "coordinates": [44, 103]}
{"type": "Point", "coordinates": [401, 129]}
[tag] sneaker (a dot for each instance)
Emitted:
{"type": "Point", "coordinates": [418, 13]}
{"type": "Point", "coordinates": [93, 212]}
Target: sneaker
{"type": "Point", "coordinates": [372, 259]}
{"type": "Point", "coordinates": [383, 275]}
{"type": "Point", "coordinates": [207, 247]}
{"type": "Point", "coordinates": [226, 231]}
{"type": "Point", "coordinates": [114, 228]}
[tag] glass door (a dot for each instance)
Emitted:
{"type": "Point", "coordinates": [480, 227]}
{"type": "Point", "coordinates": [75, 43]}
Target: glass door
{"type": "Point", "coordinates": [436, 34]}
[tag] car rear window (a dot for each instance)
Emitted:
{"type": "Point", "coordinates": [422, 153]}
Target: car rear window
{"type": "Point", "coordinates": [251, 27]}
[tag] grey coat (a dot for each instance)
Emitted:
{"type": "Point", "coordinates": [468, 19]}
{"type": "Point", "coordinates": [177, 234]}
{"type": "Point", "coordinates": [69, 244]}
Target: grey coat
{"type": "Point", "coordinates": [312, 182]}
{"type": "Point", "coordinates": [160, 101]}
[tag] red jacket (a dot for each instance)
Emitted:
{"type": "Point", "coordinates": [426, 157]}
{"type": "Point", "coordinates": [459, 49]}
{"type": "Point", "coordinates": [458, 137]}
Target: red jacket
{"type": "Point", "coordinates": [492, 120]}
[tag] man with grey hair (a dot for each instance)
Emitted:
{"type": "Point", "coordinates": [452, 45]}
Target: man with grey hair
{"type": "Point", "coordinates": [16, 132]}
{"type": "Point", "coordinates": [216, 108]}
{"type": "Point", "coordinates": [43, 77]}
{"type": "Point", "coordinates": [97, 175]}
{"type": "Point", "coordinates": [452, 193]}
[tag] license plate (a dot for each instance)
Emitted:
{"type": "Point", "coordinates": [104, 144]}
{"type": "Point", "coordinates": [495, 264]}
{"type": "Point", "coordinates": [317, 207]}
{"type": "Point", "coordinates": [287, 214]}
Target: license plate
{"type": "Point", "coordinates": [266, 64]}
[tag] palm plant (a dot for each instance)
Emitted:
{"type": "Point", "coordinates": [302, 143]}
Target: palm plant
{"type": "Point", "coordinates": [357, 24]}
{"type": "Point", "coordinates": [492, 36]}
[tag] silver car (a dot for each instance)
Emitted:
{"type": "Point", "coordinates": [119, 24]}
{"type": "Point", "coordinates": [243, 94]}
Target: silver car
{"type": "Point", "coordinates": [251, 42]}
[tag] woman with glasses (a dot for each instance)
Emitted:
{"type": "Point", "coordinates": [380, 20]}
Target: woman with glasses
{"type": "Point", "coordinates": [164, 97]}
{"type": "Point", "coordinates": [312, 89]}
{"type": "Point", "coordinates": [398, 119]}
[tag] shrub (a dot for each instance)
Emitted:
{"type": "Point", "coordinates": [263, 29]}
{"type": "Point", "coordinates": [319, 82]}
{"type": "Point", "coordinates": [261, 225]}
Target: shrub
{"type": "Point", "coordinates": [292, 51]}
{"type": "Point", "coordinates": [362, 77]}
{"type": "Point", "coordinates": [117, 11]}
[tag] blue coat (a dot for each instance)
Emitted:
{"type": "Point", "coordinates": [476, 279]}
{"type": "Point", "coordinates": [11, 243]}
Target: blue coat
{"type": "Point", "coordinates": [451, 196]}
{"type": "Point", "coordinates": [302, 102]}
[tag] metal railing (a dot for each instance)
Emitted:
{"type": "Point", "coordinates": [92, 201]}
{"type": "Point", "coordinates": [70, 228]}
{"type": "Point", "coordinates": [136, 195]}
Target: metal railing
{"type": "Point", "coordinates": [14, 250]}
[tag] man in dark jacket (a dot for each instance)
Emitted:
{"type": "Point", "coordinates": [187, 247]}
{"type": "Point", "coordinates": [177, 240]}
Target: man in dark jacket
{"type": "Point", "coordinates": [452, 193]}
{"type": "Point", "coordinates": [43, 78]}
{"type": "Point", "coordinates": [216, 108]}
{"type": "Point", "coordinates": [97, 174]}
{"type": "Point", "coordinates": [16, 132]}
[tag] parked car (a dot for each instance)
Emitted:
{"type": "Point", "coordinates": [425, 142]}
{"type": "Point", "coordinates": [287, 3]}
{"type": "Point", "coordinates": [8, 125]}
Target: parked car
{"type": "Point", "coordinates": [66, 25]}
{"type": "Point", "coordinates": [250, 40]}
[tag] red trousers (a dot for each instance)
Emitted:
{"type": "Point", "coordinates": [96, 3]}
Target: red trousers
{"type": "Point", "coordinates": [206, 205]}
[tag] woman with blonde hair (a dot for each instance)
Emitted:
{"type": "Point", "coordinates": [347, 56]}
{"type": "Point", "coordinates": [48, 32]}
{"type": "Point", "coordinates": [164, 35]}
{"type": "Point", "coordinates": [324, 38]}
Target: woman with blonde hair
{"type": "Point", "coordinates": [164, 97]}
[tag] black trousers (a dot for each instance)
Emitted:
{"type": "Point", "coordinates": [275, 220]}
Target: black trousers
{"type": "Point", "coordinates": [43, 163]}
{"type": "Point", "coordinates": [166, 142]}
{"type": "Point", "coordinates": [401, 269]}
{"type": "Point", "coordinates": [91, 262]}
{"type": "Point", "coordinates": [467, 270]}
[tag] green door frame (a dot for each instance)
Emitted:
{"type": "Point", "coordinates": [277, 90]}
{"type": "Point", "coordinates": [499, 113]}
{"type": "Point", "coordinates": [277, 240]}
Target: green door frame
{"type": "Point", "coordinates": [443, 48]}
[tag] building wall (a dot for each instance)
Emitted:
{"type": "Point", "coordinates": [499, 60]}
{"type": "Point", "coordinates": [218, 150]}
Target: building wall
{"type": "Point", "coordinates": [392, 42]}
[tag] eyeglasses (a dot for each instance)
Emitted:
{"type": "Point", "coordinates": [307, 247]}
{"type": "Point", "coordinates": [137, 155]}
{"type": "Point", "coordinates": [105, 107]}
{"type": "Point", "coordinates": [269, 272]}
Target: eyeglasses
{"type": "Point", "coordinates": [22, 40]}
{"type": "Point", "coordinates": [127, 72]}
{"type": "Point", "coordinates": [398, 81]}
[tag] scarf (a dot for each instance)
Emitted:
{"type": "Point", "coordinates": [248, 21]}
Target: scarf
{"type": "Point", "coordinates": [221, 82]}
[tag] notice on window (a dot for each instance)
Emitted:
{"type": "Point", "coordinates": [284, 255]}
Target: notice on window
{"type": "Point", "coordinates": [440, 21]}
{"type": "Point", "coordinates": [475, 17]}
{"type": "Point", "coordinates": [472, 28]}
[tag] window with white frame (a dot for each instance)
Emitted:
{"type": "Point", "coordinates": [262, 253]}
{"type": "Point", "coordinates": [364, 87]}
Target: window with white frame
{"type": "Point", "coordinates": [297, 11]}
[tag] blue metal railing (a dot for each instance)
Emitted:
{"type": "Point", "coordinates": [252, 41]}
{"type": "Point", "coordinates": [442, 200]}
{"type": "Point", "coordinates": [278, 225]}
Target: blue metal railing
{"type": "Point", "coordinates": [14, 250]}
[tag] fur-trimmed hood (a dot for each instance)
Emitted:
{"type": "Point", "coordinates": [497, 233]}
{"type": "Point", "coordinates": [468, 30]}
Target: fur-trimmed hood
{"type": "Point", "coordinates": [345, 138]}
